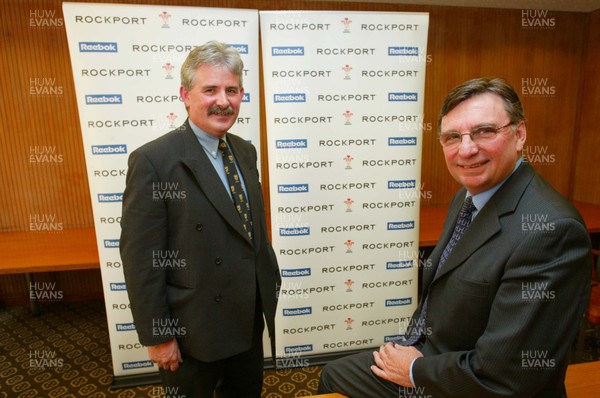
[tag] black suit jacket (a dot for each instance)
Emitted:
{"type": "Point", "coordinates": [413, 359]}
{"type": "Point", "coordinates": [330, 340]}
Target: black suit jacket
{"type": "Point", "coordinates": [187, 261]}
{"type": "Point", "coordinates": [505, 308]}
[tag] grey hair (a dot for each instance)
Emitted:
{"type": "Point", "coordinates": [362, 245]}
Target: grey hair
{"type": "Point", "coordinates": [212, 53]}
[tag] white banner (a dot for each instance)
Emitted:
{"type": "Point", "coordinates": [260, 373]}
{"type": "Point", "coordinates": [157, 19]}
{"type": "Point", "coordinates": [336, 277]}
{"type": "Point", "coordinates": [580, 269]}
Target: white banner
{"type": "Point", "coordinates": [344, 106]}
{"type": "Point", "coordinates": [126, 61]}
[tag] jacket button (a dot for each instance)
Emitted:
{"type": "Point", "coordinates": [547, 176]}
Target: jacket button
{"type": "Point", "coordinates": [199, 227]}
{"type": "Point", "coordinates": [218, 260]}
{"type": "Point", "coordinates": [218, 299]}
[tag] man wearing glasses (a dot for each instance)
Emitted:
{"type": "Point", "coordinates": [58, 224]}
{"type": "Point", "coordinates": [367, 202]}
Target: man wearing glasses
{"type": "Point", "coordinates": [510, 276]}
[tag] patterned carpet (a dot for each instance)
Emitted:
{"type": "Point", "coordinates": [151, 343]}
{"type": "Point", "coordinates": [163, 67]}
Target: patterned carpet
{"type": "Point", "coordinates": [65, 353]}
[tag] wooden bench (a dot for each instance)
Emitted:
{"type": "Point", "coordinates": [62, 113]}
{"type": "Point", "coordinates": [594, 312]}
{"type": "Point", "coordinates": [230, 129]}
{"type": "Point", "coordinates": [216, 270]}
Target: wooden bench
{"type": "Point", "coordinates": [76, 249]}
{"type": "Point", "coordinates": [583, 381]}
{"type": "Point", "coordinates": [32, 252]}
{"type": "Point", "coordinates": [432, 221]}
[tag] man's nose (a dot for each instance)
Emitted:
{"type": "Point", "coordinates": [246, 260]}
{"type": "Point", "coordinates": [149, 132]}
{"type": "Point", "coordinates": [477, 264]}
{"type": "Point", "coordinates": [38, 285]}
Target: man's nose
{"type": "Point", "coordinates": [221, 99]}
{"type": "Point", "coordinates": [467, 147]}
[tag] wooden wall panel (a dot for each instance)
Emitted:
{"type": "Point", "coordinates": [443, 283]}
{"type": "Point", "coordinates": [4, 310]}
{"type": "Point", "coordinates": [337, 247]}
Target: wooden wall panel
{"type": "Point", "coordinates": [463, 43]}
{"type": "Point", "coordinates": [586, 165]}
{"type": "Point", "coordinates": [41, 153]}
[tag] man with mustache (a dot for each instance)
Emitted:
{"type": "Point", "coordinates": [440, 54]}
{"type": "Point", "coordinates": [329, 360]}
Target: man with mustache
{"type": "Point", "coordinates": [199, 267]}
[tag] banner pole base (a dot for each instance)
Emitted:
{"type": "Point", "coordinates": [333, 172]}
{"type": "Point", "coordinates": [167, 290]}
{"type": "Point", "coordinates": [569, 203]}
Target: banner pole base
{"type": "Point", "coordinates": [309, 360]}
{"type": "Point", "coordinates": [269, 364]}
{"type": "Point", "coordinates": [134, 380]}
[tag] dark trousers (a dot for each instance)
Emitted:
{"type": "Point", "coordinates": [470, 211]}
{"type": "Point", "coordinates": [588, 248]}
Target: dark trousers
{"type": "Point", "coordinates": [239, 376]}
{"type": "Point", "coordinates": [352, 377]}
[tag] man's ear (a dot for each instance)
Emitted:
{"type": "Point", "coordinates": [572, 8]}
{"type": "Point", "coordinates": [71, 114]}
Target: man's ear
{"type": "Point", "coordinates": [521, 134]}
{"type": "Point", "coordinates": [185, 96]}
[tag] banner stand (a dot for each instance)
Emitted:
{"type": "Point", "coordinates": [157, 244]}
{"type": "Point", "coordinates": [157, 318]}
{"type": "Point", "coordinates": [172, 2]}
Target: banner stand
{"type": "Point", "coordinates": [126, 60]}
{"type": "Point", "coordinates": [344, 97]}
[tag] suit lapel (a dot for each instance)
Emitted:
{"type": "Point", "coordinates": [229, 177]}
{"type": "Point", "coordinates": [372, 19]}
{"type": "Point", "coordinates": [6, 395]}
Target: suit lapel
{"type": "Point", "coordinates": [487, 222]}
{"type": "Point", "coordinates": [436, 254]}
{"type": "Point", "coordinates": [485, 225]}
{"type": "Point", "coordinates": [211, 185]}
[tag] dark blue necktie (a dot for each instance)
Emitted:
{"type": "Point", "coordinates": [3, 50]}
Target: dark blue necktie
{"type": "Point", "coordinates": [463, 221]}
{"type": "Point", "coordinates": [235, 187]}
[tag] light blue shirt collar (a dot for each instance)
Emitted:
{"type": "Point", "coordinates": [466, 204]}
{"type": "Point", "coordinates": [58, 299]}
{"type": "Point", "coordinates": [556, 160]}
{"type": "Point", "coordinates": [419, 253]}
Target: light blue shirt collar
{"type": "Point", "coordinates": [209, 143]}
{"type": "Point", "coordinates": [482, 198]}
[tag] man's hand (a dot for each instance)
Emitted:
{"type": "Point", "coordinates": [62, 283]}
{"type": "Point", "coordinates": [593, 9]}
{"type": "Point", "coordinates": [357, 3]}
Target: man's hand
{"type": "Point", "coordinates": [393, 363]}
{"type": "Point", "coordinates": [166, 355]}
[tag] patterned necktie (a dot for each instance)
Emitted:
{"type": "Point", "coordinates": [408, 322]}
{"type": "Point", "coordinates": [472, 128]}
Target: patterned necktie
{"type": "Point", "coordinates": [235, 186]}
{"type": "Point", "coordinates": [463, 221]}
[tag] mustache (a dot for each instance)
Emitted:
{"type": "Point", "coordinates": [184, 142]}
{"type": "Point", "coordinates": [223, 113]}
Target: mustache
{"type": "Point", "coordinates": [216, 110]}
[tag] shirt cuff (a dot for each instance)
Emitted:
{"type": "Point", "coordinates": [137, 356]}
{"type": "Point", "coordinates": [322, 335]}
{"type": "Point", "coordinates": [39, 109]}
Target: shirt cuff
{"type": "Point", "coordinates": [411, 372]}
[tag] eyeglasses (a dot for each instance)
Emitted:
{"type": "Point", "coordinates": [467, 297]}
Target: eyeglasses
{"type": "Point", "coordinates": [479, 135]}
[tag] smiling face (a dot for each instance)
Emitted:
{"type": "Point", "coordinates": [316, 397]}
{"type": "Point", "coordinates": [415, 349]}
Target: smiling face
{"type": "Point", "coordinates": [479, 167]}
{"type": "Point", "coordinates": [214, 100]}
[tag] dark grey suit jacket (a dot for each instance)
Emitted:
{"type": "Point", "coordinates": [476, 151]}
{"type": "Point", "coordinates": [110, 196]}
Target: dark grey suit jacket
{"type": "Point", "coordinates": [504, 310]}
{"type": "Point", "coordinates": [190, 269]}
